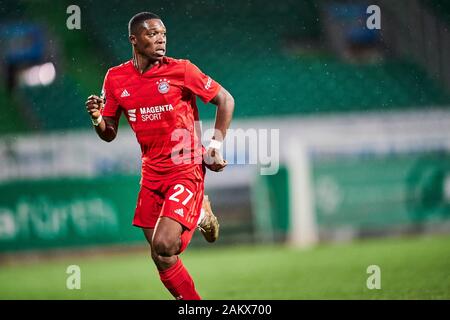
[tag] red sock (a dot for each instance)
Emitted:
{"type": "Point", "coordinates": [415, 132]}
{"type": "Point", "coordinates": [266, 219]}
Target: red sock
{"type": "Point", "coordinates": [178, 281]}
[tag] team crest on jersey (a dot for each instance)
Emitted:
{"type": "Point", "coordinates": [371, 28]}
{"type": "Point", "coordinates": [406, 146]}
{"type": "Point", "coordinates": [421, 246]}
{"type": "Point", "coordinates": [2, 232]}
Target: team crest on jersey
{"type": "Point", "coordinates": [163, 85]}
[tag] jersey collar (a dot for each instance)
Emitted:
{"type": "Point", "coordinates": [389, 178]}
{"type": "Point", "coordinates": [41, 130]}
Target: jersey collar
{"type": "Point", "coordinates": [164, 60]}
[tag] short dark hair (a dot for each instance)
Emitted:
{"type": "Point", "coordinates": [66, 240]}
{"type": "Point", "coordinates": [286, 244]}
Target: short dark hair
{"type": "Point", "coordinates": [138, 19]}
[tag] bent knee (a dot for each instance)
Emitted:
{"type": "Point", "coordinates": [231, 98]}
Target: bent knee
{"type": "Point", "coordinates": [165, 247]}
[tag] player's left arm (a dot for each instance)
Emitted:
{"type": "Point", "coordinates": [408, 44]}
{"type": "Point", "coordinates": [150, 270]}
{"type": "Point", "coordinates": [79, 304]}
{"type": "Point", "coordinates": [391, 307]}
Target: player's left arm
{"type": "Point", "coordinates": [225, 107]}
{"type": "Point", "coordinates": [209, 90]}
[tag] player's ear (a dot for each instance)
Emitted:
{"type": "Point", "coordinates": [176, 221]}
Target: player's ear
{"type": "Point", "coordinates": [132, 39]}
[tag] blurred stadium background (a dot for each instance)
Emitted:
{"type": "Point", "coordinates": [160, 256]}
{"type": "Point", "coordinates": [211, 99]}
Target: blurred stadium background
{"type": "Point", "coordinates": [364, 150]}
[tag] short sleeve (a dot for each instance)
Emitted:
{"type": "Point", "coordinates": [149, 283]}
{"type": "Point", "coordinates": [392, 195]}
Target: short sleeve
{"type": "Point", "coordinates": [199, 83]}
{"type": "Point", "coordinates": [111, 106]}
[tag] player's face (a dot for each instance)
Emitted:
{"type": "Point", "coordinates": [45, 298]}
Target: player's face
{"type": "Point", "coordinates": [151, 39]}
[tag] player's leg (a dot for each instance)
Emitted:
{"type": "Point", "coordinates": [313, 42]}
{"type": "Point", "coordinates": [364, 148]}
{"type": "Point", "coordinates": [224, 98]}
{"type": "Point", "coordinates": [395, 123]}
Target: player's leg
{"type": "Point", "coordinates": [148, 209]}
{"type": "Point", "coordinates": [167, 242]}
{"type": "Point", "coordinates": [172, 272]}
{"type": "Point", "coordinates": [175, 228]}
{"type": "Point", "coordinates": [161, 262]}
{"type": "Point", "coordinates": [166, 238]}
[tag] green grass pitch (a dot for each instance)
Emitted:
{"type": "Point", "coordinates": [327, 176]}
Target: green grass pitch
{"type": "Point", "coordinates": [411, 268]}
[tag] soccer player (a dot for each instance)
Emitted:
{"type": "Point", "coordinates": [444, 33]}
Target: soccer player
{"type": "Point", "coordinates": [157, 94]}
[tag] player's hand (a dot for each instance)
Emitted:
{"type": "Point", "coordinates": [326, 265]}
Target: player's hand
{"type": "Point", "coordinates": [94, 105]}
{"type": "Point", "coordinates": [213, 160]}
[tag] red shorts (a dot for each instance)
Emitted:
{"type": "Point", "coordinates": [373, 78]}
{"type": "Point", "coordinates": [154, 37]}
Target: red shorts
{"type": "Point", "coordinates": [179, 198]}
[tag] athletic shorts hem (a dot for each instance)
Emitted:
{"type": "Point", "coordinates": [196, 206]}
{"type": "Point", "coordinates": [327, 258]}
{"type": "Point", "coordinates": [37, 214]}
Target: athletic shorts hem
{"type": "Point", "coordinates": [142, 227]}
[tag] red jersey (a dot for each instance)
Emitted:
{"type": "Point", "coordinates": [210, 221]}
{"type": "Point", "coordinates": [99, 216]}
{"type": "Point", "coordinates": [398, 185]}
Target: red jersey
{"type": "Point", "coordinates": [161, 109]}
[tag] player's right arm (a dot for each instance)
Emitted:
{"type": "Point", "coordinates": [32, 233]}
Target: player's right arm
{"type": "Point", "coordinates": [106, 127]}
{"type": "Point", "coordinates": [105, 111]}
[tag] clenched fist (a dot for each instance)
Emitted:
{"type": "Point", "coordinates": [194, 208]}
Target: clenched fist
{"type": "Point", "coordinates": [94, 106]}
{"type": "Point", "coordinates": [213, 160]}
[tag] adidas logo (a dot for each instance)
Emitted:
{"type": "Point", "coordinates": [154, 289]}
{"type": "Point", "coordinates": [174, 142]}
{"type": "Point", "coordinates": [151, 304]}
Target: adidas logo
{"type": "Point", "coordinates": [179, 212]}
{"type": "Point", "coordinates": [132, 115]}
{"type": "Point", "coordinates": [208, 83]}
{"type": "Point", "coordinates": [124, 93]}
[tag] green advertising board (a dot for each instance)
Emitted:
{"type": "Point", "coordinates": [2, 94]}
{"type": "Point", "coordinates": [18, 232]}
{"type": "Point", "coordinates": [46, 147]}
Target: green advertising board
{"type": "Point", "coordinates": [68, 213]}
{"type": "Point", "coordinates": [379, 191]}
{"type": "Point", "coordinates": [359, 192]}
{"type": "Point", "coordinates": [270, 203]}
